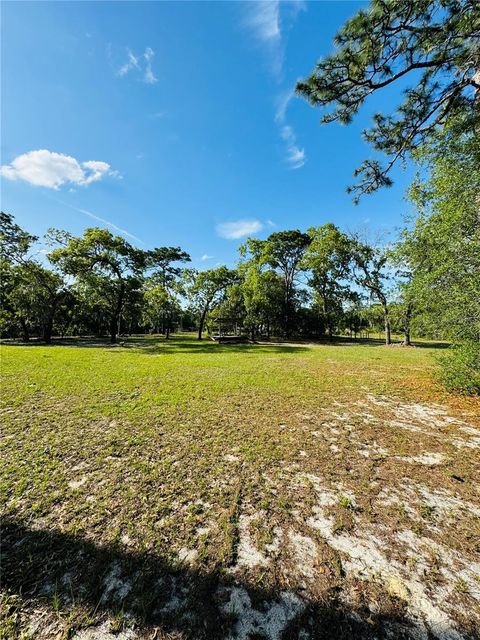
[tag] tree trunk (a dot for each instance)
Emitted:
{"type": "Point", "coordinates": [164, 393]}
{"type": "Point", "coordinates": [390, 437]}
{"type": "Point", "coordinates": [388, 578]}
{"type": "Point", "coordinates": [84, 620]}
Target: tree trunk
{"type": "Point", "coordinates": [407, 321]}
{"type": "Point", "coordinates": [25, 332]}
{"type": "Point", "coordinates": [288, 314]}
{"type": "Point", "coordinates": [388, 332]}
{"type": "Point", "coordinates": [202, 323]}
{"type": "Point", "coordinates": [326, 314]}
{"type": "Point", "coordinates": [47, 331]}
{"type": "Point", "coordinates": [115, 321]}
{"type": "Point", "coordinates": [48, 326]}
{"type": "Point", "coordinates": [66, 328]}
{"type": "Point", "coordinates": [114, 329]}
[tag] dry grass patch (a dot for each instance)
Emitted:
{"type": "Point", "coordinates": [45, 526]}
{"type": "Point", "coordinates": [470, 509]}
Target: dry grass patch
{"type": "Point", "coordinates": [189, 490]}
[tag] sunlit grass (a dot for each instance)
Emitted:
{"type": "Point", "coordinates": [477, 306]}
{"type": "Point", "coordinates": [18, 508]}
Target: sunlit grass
{"type": "Point", "coordinates": [143, 445]}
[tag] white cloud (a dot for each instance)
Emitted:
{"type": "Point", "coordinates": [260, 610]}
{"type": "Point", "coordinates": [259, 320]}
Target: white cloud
{"type": "Point", "coordinates": [149, 76]}
{"type": "Point", "coordinates": [143, 64]}
{"type": "Point", "coordinates": [265, 20]}
{"type": "Point", "coordinates": [238, 229]}
{"type": "Point", "coordinates": [295, 156]}
{"type": "Point", "coordinates": [132, 63]}
{"type": "Point", "coordinates": [97, 169]}
{"type": "Point", "coordinates": [282, 105]}
{"type": "Point", "coordinates": [268, 19]}
{"type": "Point", "coordinates": [45, 168]}
{"type": "Point", "coordinates": [206, 257]}
{"type": "Point", "coordinates": [148, 54]}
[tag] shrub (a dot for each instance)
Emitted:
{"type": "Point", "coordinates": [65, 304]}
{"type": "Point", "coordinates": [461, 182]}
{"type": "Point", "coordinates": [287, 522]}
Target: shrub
{"type": "Point", "coordinates": [460, 368]}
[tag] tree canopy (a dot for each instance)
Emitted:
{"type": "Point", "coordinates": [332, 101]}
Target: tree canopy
{"type": "Point", "coordinates": [432, 44]}
{"type": "Point", "coordinates": [442, 247]}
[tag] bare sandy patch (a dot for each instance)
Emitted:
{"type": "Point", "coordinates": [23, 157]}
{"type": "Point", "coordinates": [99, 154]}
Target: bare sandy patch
{"type": "Point", "coordinates": [269, 623]}
{"type": "Point", "coordinates": [373, 553]}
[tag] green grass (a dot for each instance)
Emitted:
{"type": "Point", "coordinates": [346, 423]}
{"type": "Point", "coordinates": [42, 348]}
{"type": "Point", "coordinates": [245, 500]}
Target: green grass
{"type": "Point", "coordinates": [136, 449]}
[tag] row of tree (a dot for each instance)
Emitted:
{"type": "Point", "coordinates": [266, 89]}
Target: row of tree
{"type": "Point", "coordinates": [319, 283]}
{"type": "Point", "coordinates": [323, 281]}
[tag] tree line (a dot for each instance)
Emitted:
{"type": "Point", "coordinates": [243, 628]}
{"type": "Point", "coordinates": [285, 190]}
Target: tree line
{"type": "Point", "coordinates": [322, 281]}
{"type": "Point", "coordinates": [318, 283]}
{"type": "Point", "coordinates": [98, 284]}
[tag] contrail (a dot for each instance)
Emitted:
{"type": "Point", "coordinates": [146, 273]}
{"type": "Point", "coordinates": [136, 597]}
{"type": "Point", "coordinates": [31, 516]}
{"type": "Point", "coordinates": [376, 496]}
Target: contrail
{"type": "Point", "coordinates": [95, 217]}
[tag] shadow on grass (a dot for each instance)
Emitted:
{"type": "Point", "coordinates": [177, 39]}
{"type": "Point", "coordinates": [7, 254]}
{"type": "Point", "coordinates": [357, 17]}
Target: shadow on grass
{"type": "Point", "coordinates": [345, 341]}
{"type": "Point", "coordinates": [70, 577]}
{"type": "Point", "coordinates": [156, 345]}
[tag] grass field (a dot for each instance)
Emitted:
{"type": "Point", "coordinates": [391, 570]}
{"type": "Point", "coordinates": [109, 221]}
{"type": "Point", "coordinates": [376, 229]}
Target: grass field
{"type": "Point", "coordinates": [277, 491]}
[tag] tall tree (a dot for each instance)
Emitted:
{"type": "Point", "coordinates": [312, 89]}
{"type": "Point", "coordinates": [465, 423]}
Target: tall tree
{"type": "Point", "coordinates": [283, 251]}
{"type": "Point", "coordinates": [36, 297]}
{"type": "Point", "coordinates": [262, 296]}
{"type": "Point", "coordinates": [433, 43]}
{"type": "Point", "coordinates": [164, 282]}
{"type": "Point", "coordinates": [328, 260]}
{"type": "Point", "coordinates": [406, 292]}
{"type": "Point", "coordinates": [442, 247]}
{"type": "Point", "coordinates": [14, 245]}
{"type": "Point", "coordinates": [160, 306]}
{"type": "Point", "coordinates": [100, 256]}
{"type": "Point", "coordinates": [14, 241]}
{"type": "Point", "coordinates": [370, 272]}
{"type": "Point", "coordinates": [31, 293]}
{"type": "Point", "coordinates": [207, 289]}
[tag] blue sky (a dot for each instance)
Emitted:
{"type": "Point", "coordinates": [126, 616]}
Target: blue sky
{"type": "Point", "coordinates": [174, 122]}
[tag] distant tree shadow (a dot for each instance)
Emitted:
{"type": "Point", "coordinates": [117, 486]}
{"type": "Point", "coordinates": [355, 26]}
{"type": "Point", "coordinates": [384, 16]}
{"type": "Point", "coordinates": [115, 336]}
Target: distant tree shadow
{"type": "Point", "coordinates": [158, 345]}
{"type": "Point", "coordinates": [178, 343]}
{"type": "Point", "coordinates": [43, 566]}
{"type": "Point", "coordinates": [345, 341]}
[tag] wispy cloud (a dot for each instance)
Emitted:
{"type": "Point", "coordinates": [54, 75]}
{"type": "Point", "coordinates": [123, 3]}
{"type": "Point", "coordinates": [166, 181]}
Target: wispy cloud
{"type": "Point", "coordinates": [238, 229]}
{"type": "Point", "coordinates": [142, 64]}
{"type": "Point", "coordinates": [295, 157]}
{"type": "Point", "coordinates": [148, 76]}
{"type": "Point", "coordinates": [43, 168]}
{"type": "Point", "coordinates": [107, 223]}
{"type": "Point", "coordinates": [282, 102]}
{"type": "Point", "coordinates": [270, 20]}
{"type": "Point", "coordinates": [263, 19]}
{"type": "Point", "coordinates": [132, 63]}
{"type": "Point", "coordinates": [206, 257]}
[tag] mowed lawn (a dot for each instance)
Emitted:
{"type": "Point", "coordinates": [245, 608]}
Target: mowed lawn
{"type": "Point", "coordinates": [184, 489]}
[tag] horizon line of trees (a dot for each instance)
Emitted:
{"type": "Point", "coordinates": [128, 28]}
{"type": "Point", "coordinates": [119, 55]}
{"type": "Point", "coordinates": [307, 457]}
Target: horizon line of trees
{"type": "Point", "coordinates": [316, 284]}
{"type": "Point", "coordinates": [322, 281]}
